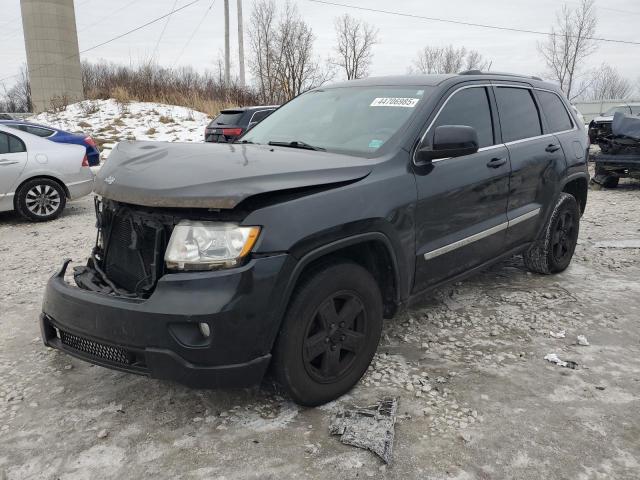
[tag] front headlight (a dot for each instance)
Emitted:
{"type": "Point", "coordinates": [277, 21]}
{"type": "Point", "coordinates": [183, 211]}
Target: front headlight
{"type": "Point", "coordinates": [208, 245]}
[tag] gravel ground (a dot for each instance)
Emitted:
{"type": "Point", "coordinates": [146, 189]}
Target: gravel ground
{"type": "Point", "coordinates": [476, 397]}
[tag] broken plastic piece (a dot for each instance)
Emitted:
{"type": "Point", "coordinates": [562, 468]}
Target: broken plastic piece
{"type": "Point", "coordinates": [371, 428]}
{"type": "Point", "coordinates": [553, 358]}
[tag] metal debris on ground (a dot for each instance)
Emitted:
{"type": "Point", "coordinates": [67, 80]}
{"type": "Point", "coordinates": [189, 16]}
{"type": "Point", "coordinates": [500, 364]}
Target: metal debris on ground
{"type": "Point", "coordinates": [371, 428]}
{"type": "Point", "coordinates": [582, 340]}
{"type": "Point", "coordinates": [560, 334]}
{"type": "Point", "coordinates": [553, 358]}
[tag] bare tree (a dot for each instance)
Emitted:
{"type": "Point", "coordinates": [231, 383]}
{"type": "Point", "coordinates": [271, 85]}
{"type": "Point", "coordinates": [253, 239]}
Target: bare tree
{"type": "Point", "coordinates": [355, 41]}
{"type": "Point", "coordinates": [570, 42]}
{"type": "Point", "coordinates": [607, 84]}
{"type": "Point", "coordinates": [17, 98]}
{"type": "Point", "coordinates": [448, 60]}
{"type": "Point", "coordinates": [282, 53]}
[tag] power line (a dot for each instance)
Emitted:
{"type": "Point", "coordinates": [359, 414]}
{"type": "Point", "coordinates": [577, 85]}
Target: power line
{"type": "Point", "coordinates": [468, 24]}
{"type": "Point", "coordinates": [117, 37]}
{"type": "Point", "coordinates": [193, 34]}
{"type": "Point", "coordinates": [109, 15]}
{"type": "Point", "coordinates": [155, 50]}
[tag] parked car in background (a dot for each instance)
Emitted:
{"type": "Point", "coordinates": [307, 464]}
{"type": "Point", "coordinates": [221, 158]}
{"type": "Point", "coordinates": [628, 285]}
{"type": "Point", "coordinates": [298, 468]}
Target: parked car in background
{"type": "Point", "coordinates": [232, 123]}
{"type": "Point", "coordinates": [58, 136]}
{"type": "Point", "coordinates": [619, 154]}
{"type": "Point", "coordinates": [601, 126]}
{"type": "Point", "coordinates": [38, 176]}
{"type": "Point", "coordinates": [339, 208]}
{"type": "Point", "coordinates": [6, 116]}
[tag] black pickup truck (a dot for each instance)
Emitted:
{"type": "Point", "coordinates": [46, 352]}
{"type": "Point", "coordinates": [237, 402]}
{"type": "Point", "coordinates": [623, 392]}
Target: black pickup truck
{"type": "Point", "coordinates": [285, 250]}
{"type": "Point", "coordinates": [619, 154]}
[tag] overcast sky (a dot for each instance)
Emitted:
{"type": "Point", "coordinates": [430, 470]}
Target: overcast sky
{"type": "Point", "coordinates": [399, 38]}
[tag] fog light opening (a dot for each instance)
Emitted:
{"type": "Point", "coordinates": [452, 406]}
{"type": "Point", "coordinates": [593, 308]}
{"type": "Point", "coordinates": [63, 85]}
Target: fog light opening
{"type": "Point", "coordinates": [205, 330]}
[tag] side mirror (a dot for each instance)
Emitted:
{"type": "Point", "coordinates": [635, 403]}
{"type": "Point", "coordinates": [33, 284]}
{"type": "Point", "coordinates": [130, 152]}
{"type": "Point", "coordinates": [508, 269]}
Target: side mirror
{"type": "Point", "coordinates": [450, 141]}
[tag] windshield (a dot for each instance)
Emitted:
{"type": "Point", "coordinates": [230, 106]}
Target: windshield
{"type": "Point", "coordinates": [620, 108]}
{"type": "Point", "coordinates": [356, 120]}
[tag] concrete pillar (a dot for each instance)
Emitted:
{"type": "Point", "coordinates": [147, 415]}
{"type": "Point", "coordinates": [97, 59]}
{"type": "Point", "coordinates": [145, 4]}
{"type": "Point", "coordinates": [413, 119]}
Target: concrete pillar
{"type": "Point", "coordinates": [53, 59]}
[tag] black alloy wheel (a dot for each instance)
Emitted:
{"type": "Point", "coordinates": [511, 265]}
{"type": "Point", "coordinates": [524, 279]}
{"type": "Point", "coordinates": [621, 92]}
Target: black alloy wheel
{"type": "Point", "coordinates": [335, 336]}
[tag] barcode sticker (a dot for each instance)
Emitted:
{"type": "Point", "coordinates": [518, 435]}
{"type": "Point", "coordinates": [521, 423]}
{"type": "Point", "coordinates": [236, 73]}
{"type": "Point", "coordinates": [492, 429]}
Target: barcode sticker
{"type": "Point", "coordinates": [394, 102]}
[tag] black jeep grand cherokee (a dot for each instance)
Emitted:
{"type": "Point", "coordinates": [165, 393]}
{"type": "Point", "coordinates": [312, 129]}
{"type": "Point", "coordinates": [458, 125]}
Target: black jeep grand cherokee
{"type": "Point", "coordinates": [288, 248]}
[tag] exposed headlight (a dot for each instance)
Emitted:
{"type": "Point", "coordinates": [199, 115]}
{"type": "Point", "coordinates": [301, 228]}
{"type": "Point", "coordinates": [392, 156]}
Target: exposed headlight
{"type": "Point", "coordinates": [208, 245]}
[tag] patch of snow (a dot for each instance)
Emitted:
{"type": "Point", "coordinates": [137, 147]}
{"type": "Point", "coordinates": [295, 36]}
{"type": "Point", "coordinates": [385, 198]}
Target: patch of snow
{"type": "Point", "coordinates": [560, 334]}
{"type": "Point", "coordinates": [553, 358]}
{"type": "Point", "coordinates": [110, 122]}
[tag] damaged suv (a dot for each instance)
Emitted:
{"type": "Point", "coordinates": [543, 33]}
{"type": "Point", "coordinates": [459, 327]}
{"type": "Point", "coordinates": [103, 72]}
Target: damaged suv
{"type": "Point", "coordinates": [284, 251]}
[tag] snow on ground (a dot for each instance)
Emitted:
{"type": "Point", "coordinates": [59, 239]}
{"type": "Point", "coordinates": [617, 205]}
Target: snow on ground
{"type": "Point", "coordinates": [109, 122]}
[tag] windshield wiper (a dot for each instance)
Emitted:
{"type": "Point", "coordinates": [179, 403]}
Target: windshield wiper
{"type": "Point", "coordinates": [297, 144]}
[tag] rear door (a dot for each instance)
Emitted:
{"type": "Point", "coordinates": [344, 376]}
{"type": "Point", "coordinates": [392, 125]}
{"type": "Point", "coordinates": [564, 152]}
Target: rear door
{"type": "Point", "coordinates": [13, 159]}
{"type": "Point", "coordinates": [537, 161]}
{"type": "Point", "coordinates": [462, 201]}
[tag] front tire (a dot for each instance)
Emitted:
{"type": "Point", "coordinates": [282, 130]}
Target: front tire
{"type": "Point", "coordinates": [553, 252]}
{"type": "Point", "coordinates": [40, 199]}
{"type": "Point", "coordinates": [329, 334]}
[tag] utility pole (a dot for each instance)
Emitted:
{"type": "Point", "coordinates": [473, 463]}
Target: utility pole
{"type": "Point", "coordinates": [227, 61]}
{"type": "Point", "coordinates": [240, 43]}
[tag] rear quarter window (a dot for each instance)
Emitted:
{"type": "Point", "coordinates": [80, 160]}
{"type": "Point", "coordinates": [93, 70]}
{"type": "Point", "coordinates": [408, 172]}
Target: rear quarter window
{"type": "Point", "coordinates": [11, 144]}
{"type": "Point", "coordinates": [519, 117]}
{"type": "Point", "coordinates": [555, 112]}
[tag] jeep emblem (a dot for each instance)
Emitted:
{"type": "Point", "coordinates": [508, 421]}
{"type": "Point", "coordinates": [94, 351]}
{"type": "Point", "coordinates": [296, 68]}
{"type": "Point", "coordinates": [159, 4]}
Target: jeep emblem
{"type": "Point", "coordinates": [110, 179]}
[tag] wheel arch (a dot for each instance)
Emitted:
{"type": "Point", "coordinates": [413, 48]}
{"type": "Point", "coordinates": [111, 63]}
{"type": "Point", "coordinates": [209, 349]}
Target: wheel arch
{"type": "Point", "coordinates": [578, 186]}
{"type": "Point", "coordinates": [366, 250]}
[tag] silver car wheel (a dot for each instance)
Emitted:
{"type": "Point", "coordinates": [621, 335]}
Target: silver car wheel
{"type": "Point", "coordinates": [43, 200]}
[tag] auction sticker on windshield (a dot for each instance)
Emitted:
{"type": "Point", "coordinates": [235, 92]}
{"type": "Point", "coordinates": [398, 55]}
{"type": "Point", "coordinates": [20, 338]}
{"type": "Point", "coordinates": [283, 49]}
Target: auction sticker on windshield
{"type": "Point", "coordinates": [394, 102]}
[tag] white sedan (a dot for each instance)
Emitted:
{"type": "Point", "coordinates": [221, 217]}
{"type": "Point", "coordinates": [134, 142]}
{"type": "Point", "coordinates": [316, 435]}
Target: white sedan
{"type": "Point", "coordinates": [37, 176]}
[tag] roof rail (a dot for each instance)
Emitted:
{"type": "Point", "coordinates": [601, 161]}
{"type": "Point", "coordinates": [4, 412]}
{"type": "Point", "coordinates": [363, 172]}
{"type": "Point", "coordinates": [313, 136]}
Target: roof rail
{"type": "Point", "coordinates": [504, 74]}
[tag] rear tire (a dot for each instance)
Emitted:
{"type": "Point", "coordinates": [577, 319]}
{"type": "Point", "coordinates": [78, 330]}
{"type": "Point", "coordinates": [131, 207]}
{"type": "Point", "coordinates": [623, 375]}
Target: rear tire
{"type": "Point", "coordinates": [40, 199]}
{"type": "Point", "coordinates": [329, 334]}
{"type": "Point", "coordinates": [553, 252]}
{"type": "Point", "coordinates": [611, 181]}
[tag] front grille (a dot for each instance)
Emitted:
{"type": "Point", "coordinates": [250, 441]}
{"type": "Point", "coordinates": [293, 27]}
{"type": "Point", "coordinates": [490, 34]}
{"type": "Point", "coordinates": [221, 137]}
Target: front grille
{"type": "Point", "coordinates": [96, 349]}
{"type": "Point", "coordinates": [133, 253]}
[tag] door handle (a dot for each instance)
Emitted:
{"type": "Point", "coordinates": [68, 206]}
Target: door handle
{"type": "Point", "coordinates": [4, 162]}
{"type": "Point", "coordinates": [552, 148]}
{"type": "Point", "coordinates": [496, 162]}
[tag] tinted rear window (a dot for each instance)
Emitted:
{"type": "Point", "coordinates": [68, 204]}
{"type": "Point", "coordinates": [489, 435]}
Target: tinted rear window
{"type": "Point", "coordinates": [555, 112]}
{"type": "Point", "coordinates": [227, 118]}
{"type": "Point", "coordinates": [519, 116]}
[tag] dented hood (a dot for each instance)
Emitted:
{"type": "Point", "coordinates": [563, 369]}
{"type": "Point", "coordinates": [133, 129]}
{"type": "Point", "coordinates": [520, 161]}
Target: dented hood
{"type": "Point", "coordinates": [216, 175]}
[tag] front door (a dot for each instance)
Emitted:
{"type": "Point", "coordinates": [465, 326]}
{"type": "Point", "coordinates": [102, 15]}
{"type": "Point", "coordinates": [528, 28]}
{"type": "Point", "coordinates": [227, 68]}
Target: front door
{"type": "Point", "coordinates": [461, 215]}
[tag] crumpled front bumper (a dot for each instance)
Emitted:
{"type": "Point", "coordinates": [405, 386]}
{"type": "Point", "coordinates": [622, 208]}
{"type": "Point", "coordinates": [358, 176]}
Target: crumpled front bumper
{"type": "Point", "coordinates": [160, 337]}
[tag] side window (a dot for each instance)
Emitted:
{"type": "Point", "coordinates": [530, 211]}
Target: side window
{"type": "Point", "coordinates": [4, 143]}
{"type": "Point", "coordinates": [10, 144]}
{"type": "Point", "coordinates": [555, 112]}
{"type": "Point", "coordinates": [469, 107]}
{"type": "Point", "coordinates": [261, 115]}
{"type": "Point", "coordinates": [16, 145]}
{"type": "Point", "coordinates": [519, 117]}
